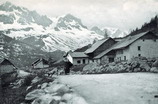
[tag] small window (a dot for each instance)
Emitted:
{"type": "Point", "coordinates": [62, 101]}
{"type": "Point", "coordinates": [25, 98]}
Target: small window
{"type": "Point", "coordinates": [139, 48]}
{"type": "Point", "coordinates": [1, 40]}
{"type": "Point", "coordinates": [78, 61]}
{"type": "Point", "coordinates": [124, 57]}
{"type": "Point", "coordinates": [139, 55]}
{"type": "Point", "coordinates": [120, 58]}
{"type": "Point", "coordinates": [154, 40]}
{"type": "Point", "coordinates": [143, 40]}
{"type": "Point", "coordinates": [84, 61]}
{"type": "Point", "coordinates": [120, 52]}
{"type": "Point", "coordinates": [111, 59]}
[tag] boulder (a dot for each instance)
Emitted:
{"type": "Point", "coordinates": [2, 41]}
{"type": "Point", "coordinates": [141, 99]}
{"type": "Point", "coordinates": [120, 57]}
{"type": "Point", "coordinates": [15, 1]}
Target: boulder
{"type": "Point", "coordinates": [44, 85]}
{"type": "Point", "coordinates": [154, 69]}
{"type": "Point", "coordinates": [55, 102]}
{"type": "Point", "coordinates": [57, 88]}
{"type": "Point", "coordinates": [155, 64]}
{"type": "Point", "coordinates": [90, 66]}
{"type": "Point", "coordinates": [144, 66]}
{"type": "Point", "coordinates": [136, 69]}
{"type": "Point", "coordinates": [66, 97]}
{"type": "Point", "coordinates": [47, 99]}
{"type": "Point", "coordinates": [34, 94]}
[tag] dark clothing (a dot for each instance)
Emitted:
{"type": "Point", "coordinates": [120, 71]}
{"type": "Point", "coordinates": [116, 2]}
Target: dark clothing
{"type": "Point", "coordinates": [68, 65]}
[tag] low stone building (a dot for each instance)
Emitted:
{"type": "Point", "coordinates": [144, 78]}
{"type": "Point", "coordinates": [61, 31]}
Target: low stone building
{"type": "Point", "coordinates": [77, 58]}
{"type": "Point", "coordinates": [6, 67]}
{"type": "Point", "coordinates": [40, 63]}
{"type": "Point", "coordinates": [98, 47]}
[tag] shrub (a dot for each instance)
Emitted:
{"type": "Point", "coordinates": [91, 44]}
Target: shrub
{"type": "Point", "coordinates": [28, 80]}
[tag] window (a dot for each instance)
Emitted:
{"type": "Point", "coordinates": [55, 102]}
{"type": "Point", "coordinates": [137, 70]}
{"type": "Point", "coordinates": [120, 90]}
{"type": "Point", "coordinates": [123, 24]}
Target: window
{"type": "Point", "coordinates": [154, 40]}
{"type": "Point", "coordinates": [84, 61]}
{"type": "Point", "coordinates": [111, 59]}
{"type": "Point", "coordinates": [119, 58]}
{"type": "Point", "coordinates": [143, 40]}
{"type": "Point", "coordinates": [120, 51]}
{"type": "Point", "coordinates": [139, 55]}
{"type": "Point", "coordinates": [124, 57]}
{"type": "Point", "coordinates": [78, 61]}
{"type": "Point", "coordinates": [1, 40]}
{"type": "Point", "coordinates": [139, 48]}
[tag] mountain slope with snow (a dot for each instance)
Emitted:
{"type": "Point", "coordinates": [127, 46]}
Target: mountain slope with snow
{"type": "Point", "coordinates": [111, 32]}
{"type": "Point", "coordinates": [63, 33]}
{"type": "Point", "coordinates": [49, 34]}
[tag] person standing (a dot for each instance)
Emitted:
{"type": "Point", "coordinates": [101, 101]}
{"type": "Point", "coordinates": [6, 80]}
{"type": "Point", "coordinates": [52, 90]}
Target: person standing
{"type": "Point", "coordinates": [67, 65]}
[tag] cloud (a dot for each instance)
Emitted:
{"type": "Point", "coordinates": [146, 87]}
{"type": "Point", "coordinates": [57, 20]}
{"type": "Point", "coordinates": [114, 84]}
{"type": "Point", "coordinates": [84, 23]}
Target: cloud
{"type": "Point", "coordinates": [124, 14]}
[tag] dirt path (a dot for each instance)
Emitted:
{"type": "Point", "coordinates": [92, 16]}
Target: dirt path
{"type": "Point", "coordinates": [127, 88]}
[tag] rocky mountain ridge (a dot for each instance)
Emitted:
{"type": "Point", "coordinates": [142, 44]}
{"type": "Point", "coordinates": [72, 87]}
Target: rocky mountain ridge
{"type": "Point", "coordinates": [49, 34]}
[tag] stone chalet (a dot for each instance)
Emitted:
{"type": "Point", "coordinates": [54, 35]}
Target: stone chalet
{"type": "Point", "coordinates": [87, 56]}
{"type": "Point", "coordinates": [144, 44]}
{"type": "Point", "coordinates": [6, 66]}
{"type": "Point", "coordinates": [108, 50]}
{"type": "Point", "coordinates": [40, 63]}
{"type": "Point", "coordinates": [77, 58]}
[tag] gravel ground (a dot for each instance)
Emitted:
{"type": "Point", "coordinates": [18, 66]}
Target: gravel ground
{"type": "Point", "coordinates": [122, 88]}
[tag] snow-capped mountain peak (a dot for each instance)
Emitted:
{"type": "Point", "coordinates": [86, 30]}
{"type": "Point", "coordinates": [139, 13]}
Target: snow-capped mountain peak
{"type": "Point", "coordinates": [110, 31]}
{"type": "Point", "coordinates": [11, 14]}
{"type": "Point", "coordinates": [69, 22]}
{"type": "Point", "coordinates": [63, 33]}
{"type": "Point", "coordinates": [49, 34]}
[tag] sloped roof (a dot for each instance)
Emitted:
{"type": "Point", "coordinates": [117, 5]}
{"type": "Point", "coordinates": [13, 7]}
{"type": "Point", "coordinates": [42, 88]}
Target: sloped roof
{"type": "Point", "coordinates": [78, 54]}
{"type": "Point", "coordinates": [83, 49]}
{"type": "Point", "coordinates": [129, 40]}
{"type": "Point", "coordinates": [103, 53]}
{"type": "Point", "coordinates": [122, 44]}
{"type": "Point", "coordinates": [39, 60]}
{"type": "Point", "coordinates": [6, 62]}
{"type": "Point", "coordinates": [96, 45]}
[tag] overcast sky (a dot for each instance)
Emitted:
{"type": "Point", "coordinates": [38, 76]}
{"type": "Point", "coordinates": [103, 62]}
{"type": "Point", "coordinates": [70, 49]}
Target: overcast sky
{"type": "Point", "coordinates": [123, 14]}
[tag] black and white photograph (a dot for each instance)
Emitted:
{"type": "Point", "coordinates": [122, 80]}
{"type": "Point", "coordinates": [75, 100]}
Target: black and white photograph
{"type": "Point", "coordinates": [78, 51]}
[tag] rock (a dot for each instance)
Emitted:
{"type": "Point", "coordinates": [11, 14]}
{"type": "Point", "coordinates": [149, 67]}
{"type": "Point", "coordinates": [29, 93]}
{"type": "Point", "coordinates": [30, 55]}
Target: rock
{"type": "Point", "coordinates": [72, 98]}
{"type": "Point", "coordinates": [154, 69]}
{"type": "Point", "coordinates": [136, 69]}
{"type": "Point", "coordinates": [37, 101]}
{"type": "Point", "coordinates": [62, 103]}
{"type": "Point", "coordinates": [76, 100]}
{"type": "Point", "coordinates": [44, 85]}
{"type": "Point", "coordinates": [47, 99]}
{"type": "Point", "coordinates": [144, 66]}
{"type": "Point", "coordinates": [66, 97]}
{"type": "Point", "coordinates": [28, 88]}
{"type": "Point", "coordinates": [90, 66]}
{"type": "Point", "coordinates": [36, 79]}
{"type": "Point", "coordinates": [57, 88]}
{"type": "Point", "coordinates": [34, 94]}
{"type": "Point", "coordinates": [63, 90]}
{"type": "Point", "coordinates": [155, 64]}
{"type": "Point", "coordinates": [54, 102]}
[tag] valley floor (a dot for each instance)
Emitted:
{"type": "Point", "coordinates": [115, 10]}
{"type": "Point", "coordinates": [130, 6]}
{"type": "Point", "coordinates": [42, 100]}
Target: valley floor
{"type": "Point", "coordinates": [124, 88]}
